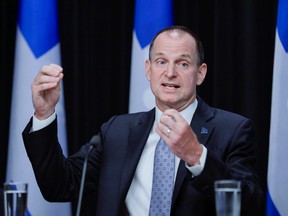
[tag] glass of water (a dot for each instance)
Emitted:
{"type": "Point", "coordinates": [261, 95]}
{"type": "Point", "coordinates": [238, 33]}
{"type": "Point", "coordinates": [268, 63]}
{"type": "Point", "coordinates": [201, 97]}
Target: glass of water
{"type": "Point", "coordinates": [227, 197]}
{"type": "Point", "coordinates": [15, 198]}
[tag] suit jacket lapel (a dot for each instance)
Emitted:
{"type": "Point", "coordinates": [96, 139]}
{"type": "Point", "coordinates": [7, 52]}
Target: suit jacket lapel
{"type": "Point", "coordinates": [203, 130]}
{"type": "Point", "coordinates": [136, 141]}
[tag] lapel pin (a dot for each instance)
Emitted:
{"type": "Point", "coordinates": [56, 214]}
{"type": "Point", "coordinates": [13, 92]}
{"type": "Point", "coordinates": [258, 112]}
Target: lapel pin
{"type": "Point", "coordinates": [204, 130]}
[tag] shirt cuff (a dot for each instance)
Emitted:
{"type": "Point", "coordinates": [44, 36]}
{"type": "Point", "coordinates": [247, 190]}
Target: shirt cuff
{"type": "Point", "coordinates": [198, 168]}
{"type": "Point", "coordinates": [39, 124]}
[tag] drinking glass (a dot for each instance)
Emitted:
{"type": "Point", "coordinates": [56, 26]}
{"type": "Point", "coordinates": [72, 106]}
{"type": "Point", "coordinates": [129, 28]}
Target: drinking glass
{"type": "Point", "coordinates": [15, 198]}
{"type": "Point", "coordinates": [227, 197]}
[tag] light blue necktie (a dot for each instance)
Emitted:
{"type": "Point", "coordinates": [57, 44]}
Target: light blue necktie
{"type": "Point", "coordinates": [163, 180]}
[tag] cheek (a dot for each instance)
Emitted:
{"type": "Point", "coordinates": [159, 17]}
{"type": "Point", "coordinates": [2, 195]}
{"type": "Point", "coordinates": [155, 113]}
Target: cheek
{"type": "Point", "coordinates": [192, 80]}
{"type": "Point", "coordinates": [152, 76]}
{"type": "Point", "coordinates": [153, 80]}
{"type": "Point", "coordinates": [190, 86]}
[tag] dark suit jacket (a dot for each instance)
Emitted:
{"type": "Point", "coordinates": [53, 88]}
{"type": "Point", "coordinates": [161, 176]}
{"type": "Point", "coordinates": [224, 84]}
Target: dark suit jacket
{"type": "Point", "coordinates": [227, 136]}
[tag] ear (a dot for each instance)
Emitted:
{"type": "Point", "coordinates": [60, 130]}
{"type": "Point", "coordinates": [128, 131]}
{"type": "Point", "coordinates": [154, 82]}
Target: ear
{"type": "Point", "coordinates": [201, 73]}
{"type": "Point", "coordinates": [148, 69]}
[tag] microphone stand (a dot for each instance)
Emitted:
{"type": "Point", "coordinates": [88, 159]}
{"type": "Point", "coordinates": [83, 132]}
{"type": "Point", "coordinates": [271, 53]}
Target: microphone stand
{"type": "Point", "coordinates": [95, 140]}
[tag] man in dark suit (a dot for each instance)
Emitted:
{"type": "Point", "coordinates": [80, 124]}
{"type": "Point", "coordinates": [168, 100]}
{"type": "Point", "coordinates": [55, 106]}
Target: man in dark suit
{"type": "Point", "coordinates": [207, 144]}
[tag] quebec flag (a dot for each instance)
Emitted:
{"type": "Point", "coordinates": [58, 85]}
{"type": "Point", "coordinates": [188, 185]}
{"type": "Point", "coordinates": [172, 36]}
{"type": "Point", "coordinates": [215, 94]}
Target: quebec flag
{"type": "Point", "coordinates": [37, 44]}
{"type": "Point", "coordinates": [150, 17]}
{"type": "Point", "coordinates": [277, 197]}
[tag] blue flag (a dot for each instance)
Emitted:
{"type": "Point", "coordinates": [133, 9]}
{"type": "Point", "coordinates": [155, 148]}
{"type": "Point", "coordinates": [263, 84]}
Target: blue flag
{"type": "Point", "coordinates": [277, 195]}
{"type": "Point", "coordinates": [37, 44]}
{"type": "Point", "coordinates": [150, 17]}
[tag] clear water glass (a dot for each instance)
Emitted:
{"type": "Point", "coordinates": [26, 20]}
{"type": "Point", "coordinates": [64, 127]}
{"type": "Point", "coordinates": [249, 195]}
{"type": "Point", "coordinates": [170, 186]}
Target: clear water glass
{"type": "Point", "coordinates": [15, 198]}
{"type": "Point", "coordinates": [227, 197]}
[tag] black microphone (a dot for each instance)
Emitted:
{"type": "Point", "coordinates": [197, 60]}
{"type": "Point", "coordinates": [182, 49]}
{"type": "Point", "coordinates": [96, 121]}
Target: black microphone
{"type": "Point", "coordinates": [94, 142]}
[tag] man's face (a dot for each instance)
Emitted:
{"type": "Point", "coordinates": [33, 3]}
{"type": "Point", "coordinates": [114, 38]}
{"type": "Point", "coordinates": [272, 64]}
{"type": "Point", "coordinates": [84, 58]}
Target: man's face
{"type": "Point", "coordinates": [173, 71]}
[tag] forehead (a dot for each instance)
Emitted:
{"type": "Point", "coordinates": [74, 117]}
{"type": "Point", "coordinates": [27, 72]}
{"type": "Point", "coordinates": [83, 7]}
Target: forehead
{"type": "Point", "coordinates": [174, 41]}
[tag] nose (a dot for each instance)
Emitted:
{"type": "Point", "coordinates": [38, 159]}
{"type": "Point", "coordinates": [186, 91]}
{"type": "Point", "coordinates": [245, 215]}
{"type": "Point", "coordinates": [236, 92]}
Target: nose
{"type": "Point", "coordinates": [170, 71]}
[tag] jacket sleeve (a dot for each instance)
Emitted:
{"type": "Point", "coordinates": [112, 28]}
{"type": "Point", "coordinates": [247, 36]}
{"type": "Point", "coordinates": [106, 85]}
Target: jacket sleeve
{"type": "Point", "coordinates": [58, 177]}
{"type": "Point", "coordinates": [231, 156]}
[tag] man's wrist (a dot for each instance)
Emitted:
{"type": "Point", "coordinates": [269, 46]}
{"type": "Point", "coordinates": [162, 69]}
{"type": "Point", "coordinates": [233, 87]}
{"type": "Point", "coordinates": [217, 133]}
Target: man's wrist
{"type": "Point", "coordinates": [198, 168]}
{"type": "Point", "coordinates": [38, 124]}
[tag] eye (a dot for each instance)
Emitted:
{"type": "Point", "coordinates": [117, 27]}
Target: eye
{"type": "Point", "coordinates": [160, 62]}
{"type": "Point", "coordinates": [183, 64]}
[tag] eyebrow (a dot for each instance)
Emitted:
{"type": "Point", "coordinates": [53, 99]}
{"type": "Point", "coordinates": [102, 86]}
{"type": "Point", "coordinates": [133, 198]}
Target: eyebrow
{"type": "Point", "coordinates": [159, 53]}
{"type": "Point", "coordinates": [182, 55]}
{"type": "Point", "coordinates": [186, 56]}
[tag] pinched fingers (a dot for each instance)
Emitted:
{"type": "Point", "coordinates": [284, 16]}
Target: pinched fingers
{"type": "Point", "coordinates": [179, 136]}
{"type": "Point", "coordinates": [48, 77]}
{"type": "Point", "coordinates": [46, 90]}
{"type": "Point", "coordinates": [165, 127]}
{"type": "Point", "coordinates": [172, 122]}
{"type": "Point", "coordinates": [52, 70]}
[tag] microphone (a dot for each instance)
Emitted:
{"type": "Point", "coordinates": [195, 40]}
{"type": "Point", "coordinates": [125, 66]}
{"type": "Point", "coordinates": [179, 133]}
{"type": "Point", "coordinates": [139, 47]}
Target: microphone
{"type": "Point", "coordinates": [93, 143]}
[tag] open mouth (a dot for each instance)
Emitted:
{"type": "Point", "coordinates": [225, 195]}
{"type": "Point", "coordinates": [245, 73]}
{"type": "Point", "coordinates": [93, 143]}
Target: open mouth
{"type": "Point", "coordinates": [170, 85]}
